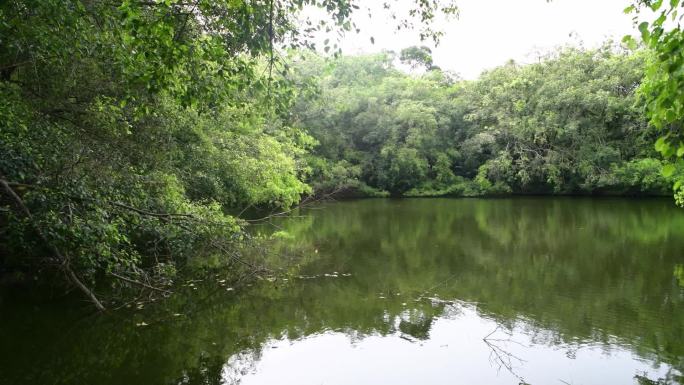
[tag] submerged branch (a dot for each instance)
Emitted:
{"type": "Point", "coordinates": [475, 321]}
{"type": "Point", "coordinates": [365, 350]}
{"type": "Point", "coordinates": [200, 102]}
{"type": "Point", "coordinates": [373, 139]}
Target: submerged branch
{"type": "Point", "coordinates": [129, 280]}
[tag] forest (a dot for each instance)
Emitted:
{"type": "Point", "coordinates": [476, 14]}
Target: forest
{"type": "Point", "coordinates": [570, 124]}
{"type": "Point", "coordinates": [136, 136]}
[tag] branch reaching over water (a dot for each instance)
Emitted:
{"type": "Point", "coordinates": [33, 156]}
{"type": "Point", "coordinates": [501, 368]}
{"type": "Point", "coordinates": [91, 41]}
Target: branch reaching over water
{"type": "Point", "coordinates": [308, 201]}
{"type": "Point", "coordinates": [62, 258]}
{"type": "Point", "coordinates": [139, 283]}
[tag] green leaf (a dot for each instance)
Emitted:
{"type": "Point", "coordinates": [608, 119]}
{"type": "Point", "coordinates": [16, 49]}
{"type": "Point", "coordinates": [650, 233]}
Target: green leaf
{"type": "Point", "coordinates": [645, 33]}
{"type": "Point", "coordinates": [629, 9]}
{"type": "Point", "coordinates": [680, 152]}
{"type": "Point", "coordinates": [670, 115]}
{"type": "Point", "coordinates": [629, 42]}
{"type": "Point", "coordinates": [668, 170]}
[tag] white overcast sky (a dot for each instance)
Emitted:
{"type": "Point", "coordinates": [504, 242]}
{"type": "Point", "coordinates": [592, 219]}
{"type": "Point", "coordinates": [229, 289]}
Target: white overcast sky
{"type": "Point", "coordinates": [489, 32]}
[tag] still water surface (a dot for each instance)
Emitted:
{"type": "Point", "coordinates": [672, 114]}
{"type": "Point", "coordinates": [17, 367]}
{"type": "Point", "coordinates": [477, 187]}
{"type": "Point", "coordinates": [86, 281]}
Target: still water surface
{"type": "Point", "coordinates": [413, 291]}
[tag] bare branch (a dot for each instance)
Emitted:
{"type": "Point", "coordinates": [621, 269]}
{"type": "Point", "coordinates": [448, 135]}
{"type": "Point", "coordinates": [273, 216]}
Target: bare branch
{"type": "Point", "coordinates": [139, 283]}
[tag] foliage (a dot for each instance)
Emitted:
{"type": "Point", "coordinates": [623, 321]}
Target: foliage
{"type": "Point", "coordinates": [131, 129]}
{"type": "Point", "coordinates": [662, 89]}
{"type": "Point", "coordinates": [569, 124]}
{"type": "Point", "coordinates": [417, 57]}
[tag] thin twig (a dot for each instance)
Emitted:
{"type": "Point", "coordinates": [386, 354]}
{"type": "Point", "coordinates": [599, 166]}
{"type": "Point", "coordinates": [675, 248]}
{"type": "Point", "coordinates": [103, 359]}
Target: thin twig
{"type": "Point", "coordinates": [139, 283]}
{"type": "Point", "coordinates": [502, 357]}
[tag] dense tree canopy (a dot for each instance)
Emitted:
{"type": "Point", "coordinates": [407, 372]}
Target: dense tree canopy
{"type": "Point", "coordinates": [130, 130]}
{"type": "Point", "coordinates": [569, 124]}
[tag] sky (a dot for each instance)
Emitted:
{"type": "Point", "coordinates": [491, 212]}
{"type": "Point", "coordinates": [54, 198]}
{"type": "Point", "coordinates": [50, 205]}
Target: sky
{"type": "Point", "coordinates": [488, 33]}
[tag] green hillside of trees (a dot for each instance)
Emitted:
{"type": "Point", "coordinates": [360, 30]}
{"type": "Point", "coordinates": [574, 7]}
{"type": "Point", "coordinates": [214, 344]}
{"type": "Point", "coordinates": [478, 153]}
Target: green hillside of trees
{"type": "Point", "coordinates": [570, 124]}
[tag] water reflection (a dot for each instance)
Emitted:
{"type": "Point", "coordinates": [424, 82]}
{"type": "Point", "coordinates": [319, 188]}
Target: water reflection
{"type": "Point", "coordinates": [403, 291]}
{"type": "Point", "coordinates": [455, 353]}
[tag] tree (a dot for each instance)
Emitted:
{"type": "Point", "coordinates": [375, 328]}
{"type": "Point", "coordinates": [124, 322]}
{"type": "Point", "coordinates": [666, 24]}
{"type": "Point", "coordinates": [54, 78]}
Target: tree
{"type": "Point", "coordinates": [569, 124]}
{"type": "Point", "coordinates": [130, 130]}
{"type": "Point", "coordinates": [663, 86]}
{"type": "Point", "coordinates": [417, 57]}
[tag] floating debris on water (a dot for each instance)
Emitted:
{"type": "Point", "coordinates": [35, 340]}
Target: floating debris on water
{"type": "Point", "coordinates": [334, 274]}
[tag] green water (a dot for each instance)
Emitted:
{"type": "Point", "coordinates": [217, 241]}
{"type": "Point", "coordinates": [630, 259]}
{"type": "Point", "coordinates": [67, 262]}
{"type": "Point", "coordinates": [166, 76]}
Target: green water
{"type": "Point", "coordinates": [415, 291]}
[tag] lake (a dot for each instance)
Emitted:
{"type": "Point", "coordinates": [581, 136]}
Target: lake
{"type": "Point", "coordinates": [411, 291]}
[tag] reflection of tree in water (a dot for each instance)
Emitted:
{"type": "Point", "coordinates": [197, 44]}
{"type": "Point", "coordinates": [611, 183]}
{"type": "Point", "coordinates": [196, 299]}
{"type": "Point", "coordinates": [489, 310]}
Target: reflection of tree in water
{"type": "Point", "coordinates": [215, 370]}
{"type": "Point", "coordinates": [530, 260]}
{"type": "Point", "coordinates": [671, 378]}
{"type": "Point", "coordinates": [533, 258]}
{"type": "Point", "coordinates": [679, 274]}
{"type": "Point", "coordinates": [416, 325]}
{"type": "Point", "coordinates": [208, 371]}
{"type": "Point", "coordinates": [238, 366]}
{"type": "Point", "coordinates": [535, 261]}
{"type": "Point", "coordinates": [419, 329]}
{"type": "Point", "coordinates": [499, 355]}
